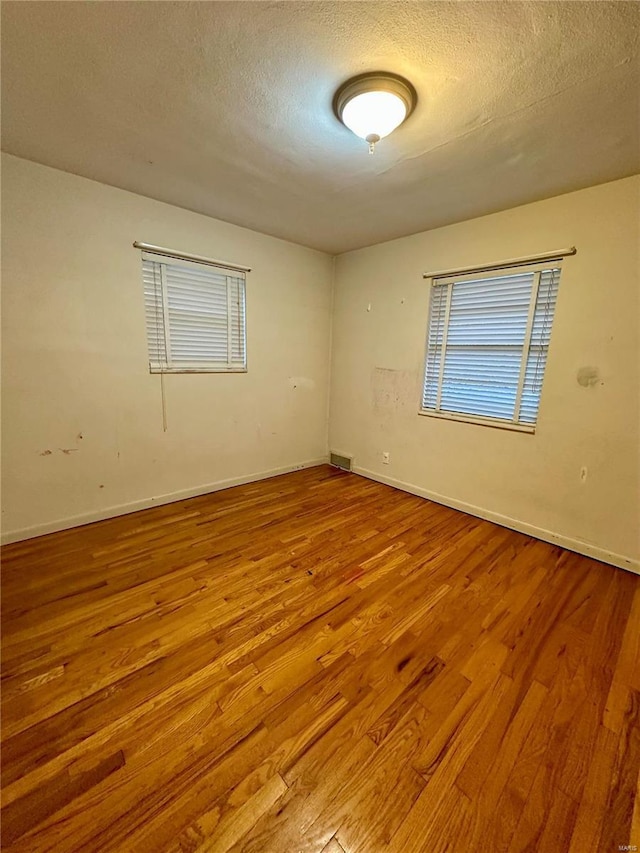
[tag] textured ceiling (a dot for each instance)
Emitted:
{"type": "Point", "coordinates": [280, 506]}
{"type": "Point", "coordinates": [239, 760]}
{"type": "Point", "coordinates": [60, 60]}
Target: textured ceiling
{"type": "Point", "coordinates": [225, 108]}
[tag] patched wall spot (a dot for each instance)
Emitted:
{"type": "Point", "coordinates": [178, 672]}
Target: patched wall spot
{"type": "Point", "coordinates": [588, 377]}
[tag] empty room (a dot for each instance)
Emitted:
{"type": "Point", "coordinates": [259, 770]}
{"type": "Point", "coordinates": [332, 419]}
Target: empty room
{"type": "Point", "coordinates": [320, 427]}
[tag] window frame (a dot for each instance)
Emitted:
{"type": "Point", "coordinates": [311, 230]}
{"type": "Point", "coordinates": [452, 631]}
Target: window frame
{"type": "Point", "coordinates": [187, 263]}
{"type": "Point", "coordinates": [537, 267]}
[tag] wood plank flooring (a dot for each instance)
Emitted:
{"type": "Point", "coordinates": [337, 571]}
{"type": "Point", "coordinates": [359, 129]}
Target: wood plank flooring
{"type": "Point", "coordinates": [316, 663]}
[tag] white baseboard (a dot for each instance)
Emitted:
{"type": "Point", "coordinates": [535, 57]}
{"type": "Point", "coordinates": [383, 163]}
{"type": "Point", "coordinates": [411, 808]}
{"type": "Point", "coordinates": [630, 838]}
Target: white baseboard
{"type": "Point", "coordinates": [145, 503]}
{"type": "Point", "coordinates": [576, 545]}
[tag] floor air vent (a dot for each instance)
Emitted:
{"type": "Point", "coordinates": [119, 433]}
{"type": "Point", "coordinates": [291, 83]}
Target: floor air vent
{"type": "Point", "coordinates": [343, 462]}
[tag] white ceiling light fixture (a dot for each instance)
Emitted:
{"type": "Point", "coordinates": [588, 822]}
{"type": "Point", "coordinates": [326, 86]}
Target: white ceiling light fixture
{"type": "Point", "coordinates": [372, 105]}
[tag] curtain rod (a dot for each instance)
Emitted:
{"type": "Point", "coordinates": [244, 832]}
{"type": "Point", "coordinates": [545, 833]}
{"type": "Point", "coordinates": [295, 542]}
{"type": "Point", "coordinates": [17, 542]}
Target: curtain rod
{"type": "Point", "coordinates": [185, 256]}
{"type": "Point", "coordinates": [513, 262]}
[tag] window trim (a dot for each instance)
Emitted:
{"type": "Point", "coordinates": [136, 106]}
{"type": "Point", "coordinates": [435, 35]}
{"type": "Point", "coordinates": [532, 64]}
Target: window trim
{"type": "Point", "coordinates": [186, 369]}
{"type": "Point", "coordinates": [536, 265]}
{"type": "Point", "coordinates": [460, 417]}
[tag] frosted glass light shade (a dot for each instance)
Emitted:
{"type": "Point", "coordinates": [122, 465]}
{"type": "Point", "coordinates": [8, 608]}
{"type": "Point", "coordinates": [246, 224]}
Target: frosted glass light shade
{"type": "Point", "coordinates": [374, 114]}
{"type": "Point", "coordinates": [372, 105]}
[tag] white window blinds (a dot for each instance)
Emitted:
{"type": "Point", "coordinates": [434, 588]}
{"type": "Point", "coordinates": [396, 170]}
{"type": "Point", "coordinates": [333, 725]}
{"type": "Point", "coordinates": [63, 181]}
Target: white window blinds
{"type": "Point", "coordinates": [488, 339]}
{"type": "Point", "coordinates": [195, 316]}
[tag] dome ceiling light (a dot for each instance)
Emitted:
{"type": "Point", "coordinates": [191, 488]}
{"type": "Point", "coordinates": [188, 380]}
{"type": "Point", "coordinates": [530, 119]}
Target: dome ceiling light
{"type": "Point", "coordinates": [372, 105]}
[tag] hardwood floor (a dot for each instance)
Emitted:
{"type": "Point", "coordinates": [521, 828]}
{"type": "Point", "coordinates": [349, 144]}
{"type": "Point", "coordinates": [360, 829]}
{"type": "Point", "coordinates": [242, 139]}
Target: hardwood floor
{"type": "Point", "coordinates": [316, 662]}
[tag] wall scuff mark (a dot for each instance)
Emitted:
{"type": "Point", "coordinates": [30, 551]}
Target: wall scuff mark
{"type": "Point", "coordinates": [392, 389]}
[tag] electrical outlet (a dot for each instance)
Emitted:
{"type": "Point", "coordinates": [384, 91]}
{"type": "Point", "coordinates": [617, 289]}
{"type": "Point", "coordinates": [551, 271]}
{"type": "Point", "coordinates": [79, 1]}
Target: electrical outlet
{"type": "Point", "coordinates": [386, 457]}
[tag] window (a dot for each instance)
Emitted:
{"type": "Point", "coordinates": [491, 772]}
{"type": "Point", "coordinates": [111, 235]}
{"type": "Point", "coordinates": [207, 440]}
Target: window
{"type": "Point", "coordinates": [487, 345]}
{"type": "Point", "coordinates": [195, 316]}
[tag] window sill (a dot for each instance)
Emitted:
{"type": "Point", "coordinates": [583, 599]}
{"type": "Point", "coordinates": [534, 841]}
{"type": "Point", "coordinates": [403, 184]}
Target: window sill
{"type": "Point", "coordinates": [156, 370]}
{"type": "Point", "coordinates": [478, 421]}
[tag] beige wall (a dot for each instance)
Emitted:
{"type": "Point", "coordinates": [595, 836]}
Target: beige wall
{"type": "Point", "coordinates": [75, 364]}
{"type": "Point", "coordinates": [75, 374]}
{"type": "Point", "coordinates": [529, 482]}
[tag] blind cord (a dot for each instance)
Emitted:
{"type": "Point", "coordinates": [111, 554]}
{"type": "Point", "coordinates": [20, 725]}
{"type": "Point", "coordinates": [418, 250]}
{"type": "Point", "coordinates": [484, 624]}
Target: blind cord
{"type": "Point", "coordinates": [164, 403]}
{"type": "Point", "coordinates": [537, 376]}
{"type": "Point", "coordinates": [157, 273]}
